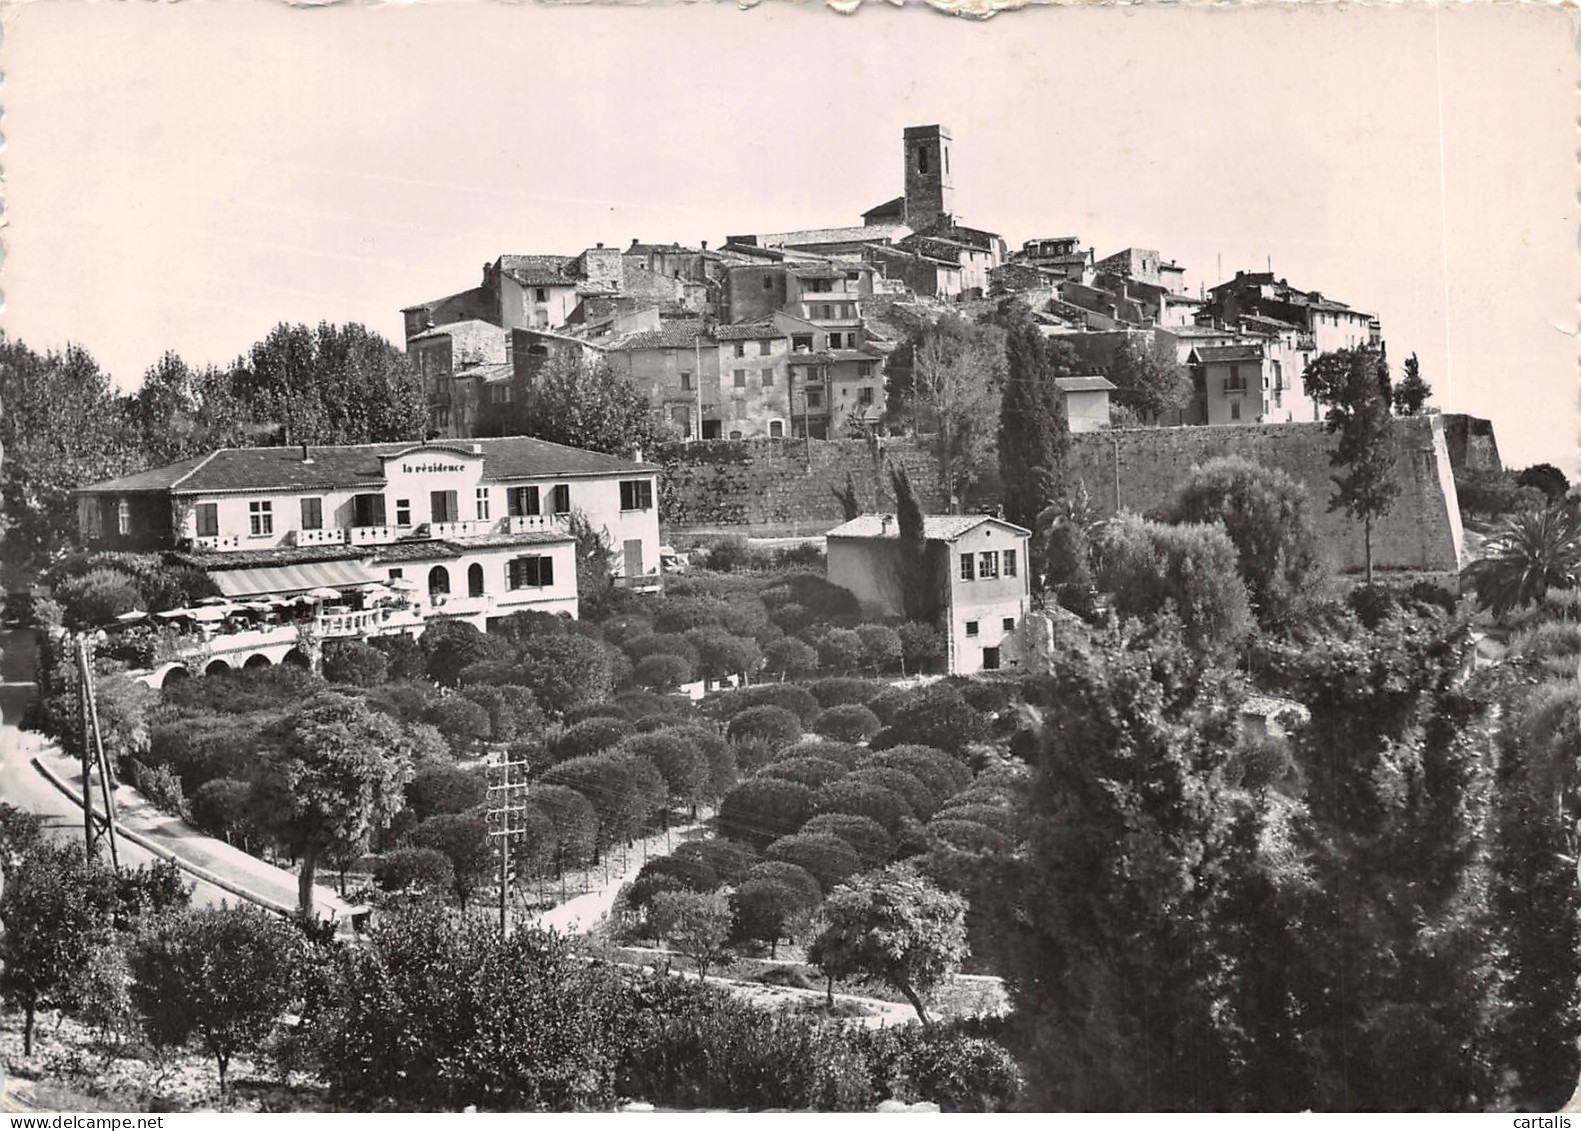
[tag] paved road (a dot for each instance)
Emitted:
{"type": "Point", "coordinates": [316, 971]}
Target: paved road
{"type": "Point", "coordinates": [23, 785]}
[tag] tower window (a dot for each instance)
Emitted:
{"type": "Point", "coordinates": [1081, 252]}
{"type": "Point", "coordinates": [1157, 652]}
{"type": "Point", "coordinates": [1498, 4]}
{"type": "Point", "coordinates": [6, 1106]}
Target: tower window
{"type": "Point", "coordinates": [922, 160]}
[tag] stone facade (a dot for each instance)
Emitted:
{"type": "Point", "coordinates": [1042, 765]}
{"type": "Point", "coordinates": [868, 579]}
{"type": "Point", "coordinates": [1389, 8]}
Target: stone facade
{"type": "Point", "coordinates": [1421, 533]}
{"type": "Point", "coordinates": [1472, 445]}
{"type": "Point", "coordinates": [785, 487]}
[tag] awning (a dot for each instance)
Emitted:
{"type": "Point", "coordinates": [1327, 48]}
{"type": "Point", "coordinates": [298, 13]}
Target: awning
{"type": "Point", "coordinates": [287, 579]}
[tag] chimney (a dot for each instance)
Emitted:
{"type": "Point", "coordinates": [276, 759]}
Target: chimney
{"type": "Point", "coordinates": [635, 241]}
{"type": "Point", "coordinates": [636, 455]}
{"type": "Point", "coordinates": [884, 523]}
{"type": "Point", "coordinates": [477, 449]}
{"type": "Point", "coordinates": [306, 455]}
{"type": "Point", "coordinates": [705, 245]}
{"type": "Point", "coordinates": [601, 244]}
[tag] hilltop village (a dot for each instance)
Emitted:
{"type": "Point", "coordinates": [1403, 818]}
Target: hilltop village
{"type": "Point", "coordinates": [862, 667]}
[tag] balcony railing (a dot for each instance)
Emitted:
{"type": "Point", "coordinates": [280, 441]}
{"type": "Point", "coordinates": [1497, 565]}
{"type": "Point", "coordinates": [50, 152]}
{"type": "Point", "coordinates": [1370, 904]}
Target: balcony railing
{"type": "Point", "coordinates": [217, 542]}
{"type": "Point", "coordinates": [529, 523]}
{"type": "Point", "coordinates": [374, 535]}
{"type": "Point", "coordinates": [1236, 386]}
{"type": "Point", "coordinates": [462, 529]}
{"type": "Point", "coordinates": [1306, 342]}
{"type": "Point", "coordinates": [331, 536]}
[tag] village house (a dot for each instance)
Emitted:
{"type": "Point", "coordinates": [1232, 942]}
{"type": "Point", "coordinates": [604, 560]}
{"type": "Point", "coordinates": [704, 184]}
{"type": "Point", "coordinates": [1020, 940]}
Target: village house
{"type": "Point", "coordinates": [978, 581]}
{"type": "Point", "coordinates": [1086, 401]}
{"type": "Point", "coordinates": [1323, 324]}
{"type": "Point", "coordinates": [478, 529]}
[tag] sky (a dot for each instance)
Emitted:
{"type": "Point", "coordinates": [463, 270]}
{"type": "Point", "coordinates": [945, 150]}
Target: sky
{"type": "Point", "coordinates": [183, 177]}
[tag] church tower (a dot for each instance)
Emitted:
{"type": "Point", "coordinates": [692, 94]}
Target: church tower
{"type": "Point", "coordinates": [929, 190]}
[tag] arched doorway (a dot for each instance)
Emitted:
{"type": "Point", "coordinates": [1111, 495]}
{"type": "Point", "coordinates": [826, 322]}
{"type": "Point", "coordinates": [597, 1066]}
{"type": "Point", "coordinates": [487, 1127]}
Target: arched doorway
{"type": "Point", "coordinates": [438, 582]}
{"type": "Point", "coordinates": [257, 660]}
{"type": "Point", "coordinates": [217, 667]}
{"type": "Point", "coordinates": [475, 580]}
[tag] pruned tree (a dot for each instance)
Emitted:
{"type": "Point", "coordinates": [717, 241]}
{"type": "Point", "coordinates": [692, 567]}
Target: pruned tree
{"type": "Point", "coordinates": [1266, 516]}
{"type": "Point", "coordinates": [338, 775]}
{"type": "Point", "coordinates": [54, 910]}
{"type": "Point", "coordinates": [696, 923]}
{"type": "Point", "coordinates": [217, 976]}
{"type": "Point", "coordinates": [895, 927]}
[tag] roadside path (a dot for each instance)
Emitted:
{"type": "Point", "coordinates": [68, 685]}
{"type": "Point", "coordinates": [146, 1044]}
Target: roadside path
{"type": "Point", "coordinates": [37, 776]}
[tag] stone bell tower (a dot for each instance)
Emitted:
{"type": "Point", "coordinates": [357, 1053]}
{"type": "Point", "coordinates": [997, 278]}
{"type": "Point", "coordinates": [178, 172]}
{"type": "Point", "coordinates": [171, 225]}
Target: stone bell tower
{"type": "Point", "coordinates": [930, 192]}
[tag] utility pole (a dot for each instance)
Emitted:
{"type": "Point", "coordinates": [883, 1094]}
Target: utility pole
{"type": "Point", "coordinates": [91, 731]}
{"type": "Point", "coordinates": [510, 795]}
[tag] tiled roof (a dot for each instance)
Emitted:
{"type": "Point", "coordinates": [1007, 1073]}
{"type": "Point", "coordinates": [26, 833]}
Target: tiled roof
{"type": "Point", "coordinates": [651, 248]}
{"type": "Point", "coordinates": [677, 335]}
{"type": "Point", "coordinates": [935, 527]}
{"type": "Point", "coordinates": [835, 235]}
{"type": "Point", "coordinates": [538, 270]}
{"type": "Point", "coordinates": [284, 555]}
{"type": "Point", "coordinates": [753, 251]}
{"type": "Point", "coordinates": [357, 465]}
{"type": "Point", "coordinates": [416, 550]}
{"type": "Point", "coordinates": [465, 325]}
{"type": "Point", "coordinates": [525, 538]}
{"type": "Point", "coordinates": [748, 331]}
{"type": "Point", "coordinates": [1093, 384]}
{"type": "Point", "coordinates": [489, 373]}
{"type": "Point", "coordinates": [1207, 354]}
{"type": "Point", "coordinates": [158, 478]}
{"type": "Point", "coordinates": [896, 207]}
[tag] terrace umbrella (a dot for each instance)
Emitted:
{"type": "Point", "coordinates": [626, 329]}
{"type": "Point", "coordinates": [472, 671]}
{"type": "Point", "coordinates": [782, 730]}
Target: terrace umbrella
{"type": "Point", "coordinates": [134, 615]}
{"type": "Point", "coordinates": [405, 584]}
{"type": "Point", "coordinates": [215, 601]}
{"type": "Point", "coordinates": [208, 615]}
{"type": "Point", "coordinates": [323, 593]}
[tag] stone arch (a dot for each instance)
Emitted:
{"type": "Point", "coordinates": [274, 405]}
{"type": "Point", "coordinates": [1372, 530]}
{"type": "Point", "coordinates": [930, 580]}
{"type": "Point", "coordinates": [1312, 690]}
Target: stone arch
{"type": "Point", "coordinates": [217, 667]}
{"type": "Point", "coordinates": [173, 675]}
{"type": "Point", "coordinates": [257, 660]}
{"type": "Point", "coordinates": [297, 658]}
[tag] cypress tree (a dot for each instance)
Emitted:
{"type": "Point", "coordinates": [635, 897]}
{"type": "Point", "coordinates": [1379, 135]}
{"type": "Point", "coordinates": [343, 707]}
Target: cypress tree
{"type": "Point", "coordinates": [1033, 432]}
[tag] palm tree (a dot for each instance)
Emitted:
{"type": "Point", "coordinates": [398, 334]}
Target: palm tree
{"type": "Point", "coordinates": [1537, 550]}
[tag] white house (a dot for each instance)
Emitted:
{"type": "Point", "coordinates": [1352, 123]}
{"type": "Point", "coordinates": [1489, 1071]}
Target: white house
{"type": "Point", "coordinates": [480, 526]}
{"type": "Point", "coordinates": [977, 578]}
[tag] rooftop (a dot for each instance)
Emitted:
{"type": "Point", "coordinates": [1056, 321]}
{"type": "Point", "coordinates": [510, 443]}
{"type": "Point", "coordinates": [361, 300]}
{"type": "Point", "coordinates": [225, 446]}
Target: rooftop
{"type": "Point", "coordinates": [350, 466]}
{"type": "Point", "coordinates": [1091, 384]}
{"type": "Point", "coordinates": [748, 331]}
{"type": "Point", "coordinates": [464, 326]}
{"type": "Point", "coordinates": [1210, 354]}
{"type": "Point", "coordinates": [935, 527]}
{"type": "Point", "coordinates": [675, 336]}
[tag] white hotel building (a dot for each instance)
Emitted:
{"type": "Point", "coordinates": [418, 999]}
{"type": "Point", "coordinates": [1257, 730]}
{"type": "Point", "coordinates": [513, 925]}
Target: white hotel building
{"type": "Point", "coordinates": [479, 526]}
